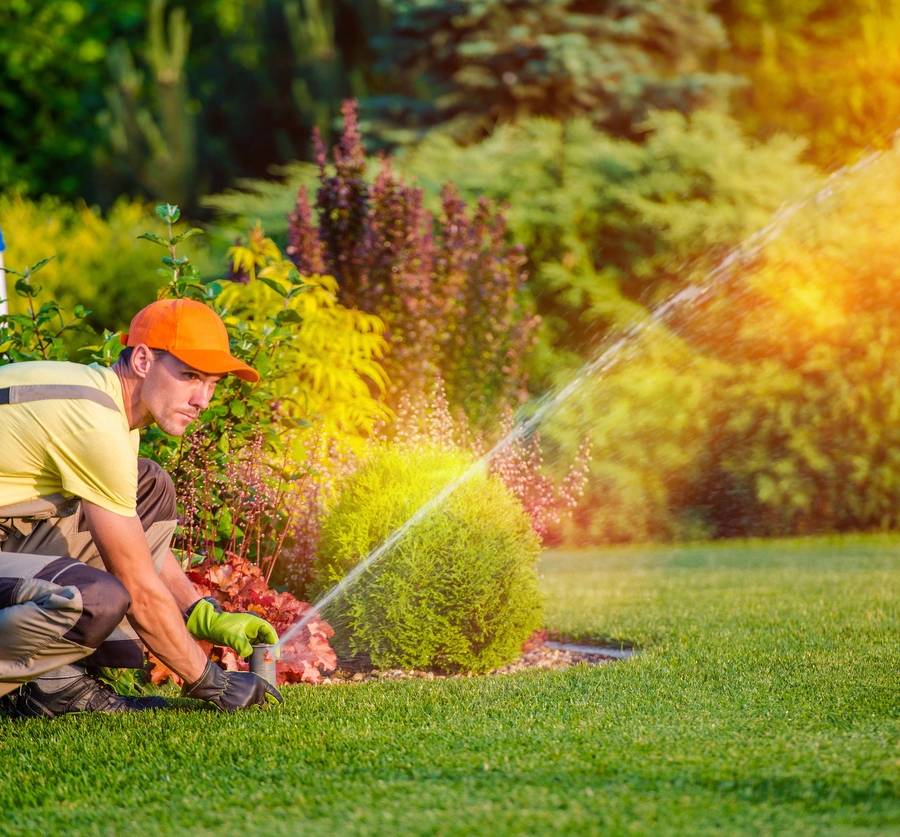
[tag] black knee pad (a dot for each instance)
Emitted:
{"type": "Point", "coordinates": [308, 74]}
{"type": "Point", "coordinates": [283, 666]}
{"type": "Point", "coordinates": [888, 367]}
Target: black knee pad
{"type": "Point", "coordinates": [104, 599]}
{"type": "Point", "coordinates": [155, 494]}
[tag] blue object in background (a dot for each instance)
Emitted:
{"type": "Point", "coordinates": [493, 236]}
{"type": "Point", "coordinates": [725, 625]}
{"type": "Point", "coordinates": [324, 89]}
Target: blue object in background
{"type": "Point", "coordinates": [2, 242]}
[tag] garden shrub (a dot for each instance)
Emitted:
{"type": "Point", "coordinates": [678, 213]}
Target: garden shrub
{"type": "Point", "coordinates": [548, 492]}
{"type": "Point", "coordinates": [457, 593]}
{"type": "Point", "coordinates": [772, 407]}
{"type": "Point", "coordinates": [804, 427]}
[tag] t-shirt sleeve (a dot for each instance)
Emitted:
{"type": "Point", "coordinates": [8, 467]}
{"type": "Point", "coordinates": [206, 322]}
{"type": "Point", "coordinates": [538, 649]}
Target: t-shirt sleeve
{"type": "Point", "coordinates": [98, 463]}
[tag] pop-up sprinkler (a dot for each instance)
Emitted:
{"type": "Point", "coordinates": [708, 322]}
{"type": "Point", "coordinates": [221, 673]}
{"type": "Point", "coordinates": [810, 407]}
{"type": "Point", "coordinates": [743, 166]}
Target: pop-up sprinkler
{"type": "Point", "coordinates": [262, 662]}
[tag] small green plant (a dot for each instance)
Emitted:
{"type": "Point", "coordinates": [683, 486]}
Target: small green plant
{"type": "Point", "coordinates": [457, 593]}
{"type": "Point", "coordinates": [39, 333]}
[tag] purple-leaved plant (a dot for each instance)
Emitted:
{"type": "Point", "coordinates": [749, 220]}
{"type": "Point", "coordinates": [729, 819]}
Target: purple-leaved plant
{"type": "Point", "coordinates": [450, 288]}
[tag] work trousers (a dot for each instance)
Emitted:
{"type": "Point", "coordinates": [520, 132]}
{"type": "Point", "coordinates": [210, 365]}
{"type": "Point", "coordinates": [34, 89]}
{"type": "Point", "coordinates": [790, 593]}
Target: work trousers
{"type": "Point", "coordinates": [58, 604]}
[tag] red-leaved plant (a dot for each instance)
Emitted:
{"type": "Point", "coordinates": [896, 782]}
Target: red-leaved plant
{"type": "Point", "coordinates": [240, 521]}
{"type": "Point", "coordinates": [239, 585]}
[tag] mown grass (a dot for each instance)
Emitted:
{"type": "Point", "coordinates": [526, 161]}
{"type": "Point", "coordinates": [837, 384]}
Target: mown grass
{"type": "Point", "coordinates": [764, 699]}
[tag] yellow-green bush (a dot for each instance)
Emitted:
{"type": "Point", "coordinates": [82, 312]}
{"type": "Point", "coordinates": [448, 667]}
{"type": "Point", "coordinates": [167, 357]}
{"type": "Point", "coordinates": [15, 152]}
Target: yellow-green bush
{"type": "Point", "coordinates": [457, 593]}
{"type": "Point", "coordinates": [329, 372]}
{"type": "Point", "coordinates": [97, 261]}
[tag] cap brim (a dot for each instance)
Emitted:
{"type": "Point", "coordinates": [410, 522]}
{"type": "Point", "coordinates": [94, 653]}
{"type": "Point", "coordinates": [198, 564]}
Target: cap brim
{"type": "Point", "coordinates": [216, 363]}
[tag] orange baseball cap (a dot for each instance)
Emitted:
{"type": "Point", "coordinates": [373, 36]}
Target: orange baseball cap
{"type": "Point", "coordinates": [190, 331]}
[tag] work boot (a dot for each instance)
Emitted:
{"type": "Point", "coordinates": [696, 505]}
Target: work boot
{"type": "Point", "coordinates": [8, 704]}
{"type": "Point", "coordinates": [84, 694]}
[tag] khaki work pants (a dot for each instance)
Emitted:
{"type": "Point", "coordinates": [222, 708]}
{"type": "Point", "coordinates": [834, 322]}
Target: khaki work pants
{"type": "Point", "coordinates": [57, 602]}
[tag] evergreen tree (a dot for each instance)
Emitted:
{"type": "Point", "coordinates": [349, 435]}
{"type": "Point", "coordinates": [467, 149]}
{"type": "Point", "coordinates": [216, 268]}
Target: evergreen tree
{"type": "Point", "coordinates": [471, 64]}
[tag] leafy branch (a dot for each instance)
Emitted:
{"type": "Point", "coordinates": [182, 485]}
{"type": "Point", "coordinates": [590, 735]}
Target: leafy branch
{"type": "Point", "coordinates": [182, 275]}
{"type": "Point", "coordinates": [37, 335]}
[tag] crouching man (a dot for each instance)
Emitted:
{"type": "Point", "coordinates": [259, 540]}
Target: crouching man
{"type": "Point", "coordinates": [87, 577]}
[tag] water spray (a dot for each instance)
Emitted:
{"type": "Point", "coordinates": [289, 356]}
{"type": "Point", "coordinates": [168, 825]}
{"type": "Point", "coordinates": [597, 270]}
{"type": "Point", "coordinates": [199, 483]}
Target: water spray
{"type": "Point", "coordinates": [745, 253]}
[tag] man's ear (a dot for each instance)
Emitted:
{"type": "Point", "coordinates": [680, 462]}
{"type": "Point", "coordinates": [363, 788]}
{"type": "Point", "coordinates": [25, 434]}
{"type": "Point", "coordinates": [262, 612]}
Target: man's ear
{"type": "Point", "coordinates": [141, 360]}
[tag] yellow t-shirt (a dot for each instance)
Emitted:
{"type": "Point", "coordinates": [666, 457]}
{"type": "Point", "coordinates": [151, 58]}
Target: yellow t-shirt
{"type": "Point", "coordinates": [70, 446]}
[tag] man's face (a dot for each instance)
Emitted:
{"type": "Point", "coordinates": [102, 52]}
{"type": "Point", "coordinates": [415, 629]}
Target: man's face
{"type": "Point", "coordinates": [175, 394]}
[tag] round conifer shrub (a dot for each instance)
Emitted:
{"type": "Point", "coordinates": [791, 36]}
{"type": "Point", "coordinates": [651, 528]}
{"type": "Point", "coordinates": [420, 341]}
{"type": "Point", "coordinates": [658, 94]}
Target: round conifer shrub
{"type": "Point", "coordinates": [457, 593]}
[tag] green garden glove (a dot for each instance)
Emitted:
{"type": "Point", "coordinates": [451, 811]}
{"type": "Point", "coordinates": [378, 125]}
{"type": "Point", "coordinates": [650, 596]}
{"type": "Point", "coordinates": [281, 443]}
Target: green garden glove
{"type": "Point", "coordinates": [206, 620]}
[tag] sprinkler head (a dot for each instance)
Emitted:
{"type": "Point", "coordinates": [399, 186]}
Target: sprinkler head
{"type": "Point", "coordinates": [262, 661]}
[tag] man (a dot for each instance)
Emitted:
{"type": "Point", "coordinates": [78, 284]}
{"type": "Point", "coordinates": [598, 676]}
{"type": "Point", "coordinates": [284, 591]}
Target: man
{"type": "Point", "coordinates": [87, 578]}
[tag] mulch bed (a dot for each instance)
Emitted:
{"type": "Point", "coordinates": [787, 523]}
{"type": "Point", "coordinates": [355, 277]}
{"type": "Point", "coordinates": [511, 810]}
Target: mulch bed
{"type": "Point", "coordinates": [538, 656]}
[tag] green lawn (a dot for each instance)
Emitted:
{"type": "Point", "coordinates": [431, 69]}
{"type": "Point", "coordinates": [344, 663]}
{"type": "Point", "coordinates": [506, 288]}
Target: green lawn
{"type": "Point", "coordinates": [765, 699]}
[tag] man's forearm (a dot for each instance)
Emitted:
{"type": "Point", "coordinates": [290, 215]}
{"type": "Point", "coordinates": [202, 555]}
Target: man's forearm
{"type": "Point", "coordinates": [158, 621]}
{"type": "Point", "coordinates": [178, 584]}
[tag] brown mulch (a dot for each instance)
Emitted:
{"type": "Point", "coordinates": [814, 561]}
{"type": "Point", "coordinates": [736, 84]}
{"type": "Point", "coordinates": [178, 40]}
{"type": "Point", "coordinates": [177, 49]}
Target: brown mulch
{"type": "Point", "coordinates": [539, 656]}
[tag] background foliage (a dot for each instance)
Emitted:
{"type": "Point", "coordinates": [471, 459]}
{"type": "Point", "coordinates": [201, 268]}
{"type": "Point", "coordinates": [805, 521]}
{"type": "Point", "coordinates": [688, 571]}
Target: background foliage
{"type": "Point", "coordinates": [821, 69]}
{"type": "Point", "coordinates": [167, 100]}
{"type": "Point", "coordinates": [600, 157]}
{"type": "Point", "coordinates": [175, 100]}
{"type": "Point", "coordinates": [613, 227]}
{"type": "Point", "coordinates": [96, 260]}
{"type": "Point", "coordinates": [471, 65]}
{"type": "Point", "coordinates": [770, 405]}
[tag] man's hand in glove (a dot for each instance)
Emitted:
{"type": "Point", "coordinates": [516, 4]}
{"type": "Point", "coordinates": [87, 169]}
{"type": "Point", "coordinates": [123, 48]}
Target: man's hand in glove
{"type": "Point", "coordinates": [230, 690]}
{"type": "Point", "coordinates": [206, 620]}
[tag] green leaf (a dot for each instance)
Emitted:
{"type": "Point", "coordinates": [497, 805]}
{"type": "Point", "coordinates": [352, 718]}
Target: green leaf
{"type": "Point", "coordinates": [178, 261]}
{"type": "Point", "coordinates": [24, 288]}
{"type": "Point", "coordinates": [50, 308]}
{"type": "Point", "coordinates": [39, 264]}
{"type": "Point", "coordinates": [168, 212]}
{"type": "Point", "coordinates": [156, 239]}
{"type": "Point", "coordinates": [224, 522]}
{"type": "Point", "coordinates": [184, 236]}
{"type": "Point", "coordinates": [275, 286]}
{"type": "Point", "coordinates": [238, 409]}
{"type": "Point", "coordinates": [288, 315]}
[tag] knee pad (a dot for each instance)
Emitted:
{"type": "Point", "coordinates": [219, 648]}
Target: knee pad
{"type": "Point", "coordinates": [104, 599]}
